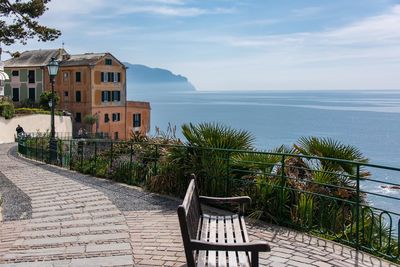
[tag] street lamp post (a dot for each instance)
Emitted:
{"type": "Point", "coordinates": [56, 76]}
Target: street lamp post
{"type": "Point", "coordinates": [52, 67]}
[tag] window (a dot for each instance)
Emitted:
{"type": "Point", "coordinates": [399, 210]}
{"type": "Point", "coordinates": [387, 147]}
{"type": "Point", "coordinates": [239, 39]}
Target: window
{"type": "Point", "coordinates": [31, 76]}
{"type": "Point", "coordinates": [78, 117]}
{"type": "Point", "coordinates": [115, 135]}
{"type": "Point", "coordinates": [78, 96]}
{"type": "Point", "coordinates": [119, 77]}
{"type": "Point", "coordinates": [65, 93]}
{"type": "Point", "coordinates": [105, 96]}
{"type": "Point", "coordinates": [78, 76]}
{"type": "Point", "coordinates": [15, 73]}
{"type": "Point", "coordinates": [116, 95]}
{"type": "Point", "coordinates": [106, 118]}
{"type": "Point", "coordinates": [116, 117]}
{"type": "Point", "coordinates": [15, 95]}
{"type": "Point", "coordinates": [65, 76]}
{"type": "Point", "coordinates": [102, 76]}
{"type": "Point", "coordinates": [137, 118]}
{"type": "Point", "coordinates": [110, 76]}
{"type": "Point", "coordinates": [108, 61]}
{"type": "Point", "coordinates": [32, 94]}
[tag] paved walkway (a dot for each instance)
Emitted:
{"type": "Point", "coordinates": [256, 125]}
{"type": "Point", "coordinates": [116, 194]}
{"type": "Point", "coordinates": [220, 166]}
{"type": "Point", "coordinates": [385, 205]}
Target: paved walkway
{"type": "Point", "coordinates": [79, 220]}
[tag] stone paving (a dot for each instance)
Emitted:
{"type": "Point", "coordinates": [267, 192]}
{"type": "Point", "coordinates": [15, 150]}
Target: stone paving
{"type": "Point", "coordinates": [75, 223]}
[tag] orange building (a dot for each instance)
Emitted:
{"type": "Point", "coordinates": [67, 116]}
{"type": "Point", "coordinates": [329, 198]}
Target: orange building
{"type": "Point", "coordinates": [90, 84]}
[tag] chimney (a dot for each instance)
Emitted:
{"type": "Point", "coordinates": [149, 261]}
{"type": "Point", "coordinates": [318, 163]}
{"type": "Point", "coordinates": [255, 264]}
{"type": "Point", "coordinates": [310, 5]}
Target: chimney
{"type": "Point", "coordinates": [66, 56]}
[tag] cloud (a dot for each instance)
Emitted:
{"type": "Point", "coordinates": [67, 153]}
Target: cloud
{"type": "Point", "coordinates": [369, 37]}
{"type": "Point", "coordinates": [173, 11]}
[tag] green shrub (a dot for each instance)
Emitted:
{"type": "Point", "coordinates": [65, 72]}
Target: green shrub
{"type": "Point", "coordinates": [28, 111]}
{"type": "Point", "coordinates": [7, 109]}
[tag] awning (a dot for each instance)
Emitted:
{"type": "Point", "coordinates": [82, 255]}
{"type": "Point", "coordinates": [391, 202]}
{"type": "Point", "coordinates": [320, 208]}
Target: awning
{"type": "Point", "coordinates": [3, 76]}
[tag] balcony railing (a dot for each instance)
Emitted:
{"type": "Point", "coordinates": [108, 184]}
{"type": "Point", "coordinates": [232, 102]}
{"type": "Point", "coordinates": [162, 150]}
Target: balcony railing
{"type": "Point", "coordinates": [351, 202]}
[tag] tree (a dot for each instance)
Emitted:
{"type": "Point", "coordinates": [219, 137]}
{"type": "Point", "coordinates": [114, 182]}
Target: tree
{"type": "Point", "coordinates": [19, 21]}
{"type": "Point", "coordinates": [90, 120]}
{"type": "Point", "coordinates": [45, 98]}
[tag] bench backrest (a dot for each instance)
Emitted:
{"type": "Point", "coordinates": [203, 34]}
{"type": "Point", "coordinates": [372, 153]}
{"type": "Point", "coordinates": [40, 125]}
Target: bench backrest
{"type": "Point", "coordinates": [189, 214]}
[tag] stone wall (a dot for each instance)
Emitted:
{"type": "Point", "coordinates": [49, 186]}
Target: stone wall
{"type": "Point", "coordinates": [32, 123]}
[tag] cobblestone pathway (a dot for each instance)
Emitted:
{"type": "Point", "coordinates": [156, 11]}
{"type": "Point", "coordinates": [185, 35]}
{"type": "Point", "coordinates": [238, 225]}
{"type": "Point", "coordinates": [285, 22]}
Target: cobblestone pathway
{"type": "Point", "coordinates": [77, 223]}
{"type": "Point", "coordinates": [72, 224]}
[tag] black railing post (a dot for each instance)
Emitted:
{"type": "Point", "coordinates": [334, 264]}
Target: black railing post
{"type": "Point", "coordinates": [111, 154]}
{"type": "Point", "coordinates": [36, 144]}
{"type": "Point", "coordinates": [358, 208]}
{"type": "Point", "coordinates": [227, 180]}
{"type": "Point", "coordinates": [95, 159]}
{"type": "Point", "coordinates": [70, 154]}
{"type": "Point", "coordinates": [282, 183]}
{"type": "Point", "coordinates": [130, 162]}
{"type": "Point", "coordinates": [82, 149]}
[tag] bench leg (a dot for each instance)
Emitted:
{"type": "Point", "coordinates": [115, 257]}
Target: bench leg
{"type": "Point", "coordinates": [254, 259]}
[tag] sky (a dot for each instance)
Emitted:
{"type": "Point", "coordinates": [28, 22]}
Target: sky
{"type": "Point", "coordinates": [241, 44]}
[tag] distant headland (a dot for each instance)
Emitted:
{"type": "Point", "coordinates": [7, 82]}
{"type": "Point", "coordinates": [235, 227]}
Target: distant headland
{"type": "Point", "coordinates": [143, 79]}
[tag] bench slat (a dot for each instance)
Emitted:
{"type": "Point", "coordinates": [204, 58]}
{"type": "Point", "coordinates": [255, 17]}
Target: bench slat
{"type": "Point", "coordinates": [202, 258]}
{"type": "Point", "coordinates": [229, 236]}
{"type": "Point", "coordinates": [212, 262]}
{"type": "Point", "coordinates": [221, 239]}
{"type": "Point", "coordinates": [243, 259]}
{"type": "Point", "coordinates": [245, 234]}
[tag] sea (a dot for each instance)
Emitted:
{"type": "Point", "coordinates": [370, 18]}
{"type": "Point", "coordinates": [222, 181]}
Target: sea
{"type": "Point", "coordinates": [369, 120]}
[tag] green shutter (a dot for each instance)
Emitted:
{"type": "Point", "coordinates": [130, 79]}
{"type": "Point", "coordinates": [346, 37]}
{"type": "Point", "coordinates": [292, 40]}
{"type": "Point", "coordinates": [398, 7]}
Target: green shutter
{"type": "Point", "coordinates": [39, 91]}
{"type": "Point", "coordinates": [23, 75]}
{"type": "Point", "coordinates": [39, 74]}
{"type": "Point", "coordinates": [23, 92]}
{"type": "Point", "coordinates": [7, 90]}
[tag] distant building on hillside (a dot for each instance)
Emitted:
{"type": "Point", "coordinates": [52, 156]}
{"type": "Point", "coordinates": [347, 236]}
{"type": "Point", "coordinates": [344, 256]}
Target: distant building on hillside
{"type": "Point", "coordinates": [87, 84]}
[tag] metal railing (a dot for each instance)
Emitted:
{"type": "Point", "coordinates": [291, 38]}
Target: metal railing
{"type": "Point", "coordinates": [351, 202]}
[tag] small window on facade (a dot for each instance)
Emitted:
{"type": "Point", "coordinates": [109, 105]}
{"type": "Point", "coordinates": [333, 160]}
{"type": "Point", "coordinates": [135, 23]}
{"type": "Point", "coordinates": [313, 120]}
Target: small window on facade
{"type": "Point", "coordinates": [119, 77]}
{"type": "Point", "coordinates": [65, 76]}
{"type": "Point", "coordinates": [65, 93]}
{"type": "Point", "coordinates": [78, 76]}
{"type": "Point", "coordinates": [105, 96]}
{"type": "Point", "coordinates": [32, 94]}
{"type": "Point", "coordinates": [108, 61]}
{"type": "Point", "coordinates": [116, 95]}
{"type": "Point", "coordinates": [137, 118]}
{"type": "Point", "coordinates": [15, 73]}
{"type": "Point", "coordinates": [78, 96]}
{"type": "Point", "coordinates": [106, 118]}
{"type": "Point", "coordinates": [116, 136]}
{"type": "Point", "coordinates": [31, 76]}
{"type": "Point", "coordinates": [110, 76]}
{"type": "Point", "coordinates": [116, 117]}
{"type": "Point", "coordinates": [78, 117]}
{"type": "Point", "coordinates": [15, 95]}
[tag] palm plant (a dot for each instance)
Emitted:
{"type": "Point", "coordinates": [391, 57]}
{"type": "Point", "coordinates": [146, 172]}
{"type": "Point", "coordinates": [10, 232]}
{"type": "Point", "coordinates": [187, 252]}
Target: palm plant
{"type": "Point", "coordinates": [211, 145]}
{"type": "Point", "coordinates": [329, 148]}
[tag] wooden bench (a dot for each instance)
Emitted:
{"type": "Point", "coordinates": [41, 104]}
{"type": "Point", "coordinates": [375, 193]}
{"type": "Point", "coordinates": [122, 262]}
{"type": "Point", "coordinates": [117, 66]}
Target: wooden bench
{"type": "Point", "coordinates": [216, 240]}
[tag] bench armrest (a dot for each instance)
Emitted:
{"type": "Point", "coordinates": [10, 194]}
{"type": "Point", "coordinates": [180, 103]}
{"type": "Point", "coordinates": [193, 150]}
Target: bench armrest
{"type": "Point", "coordinates": [257, 246]}
{"type": "Point", "coordinates": [223, 200]}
